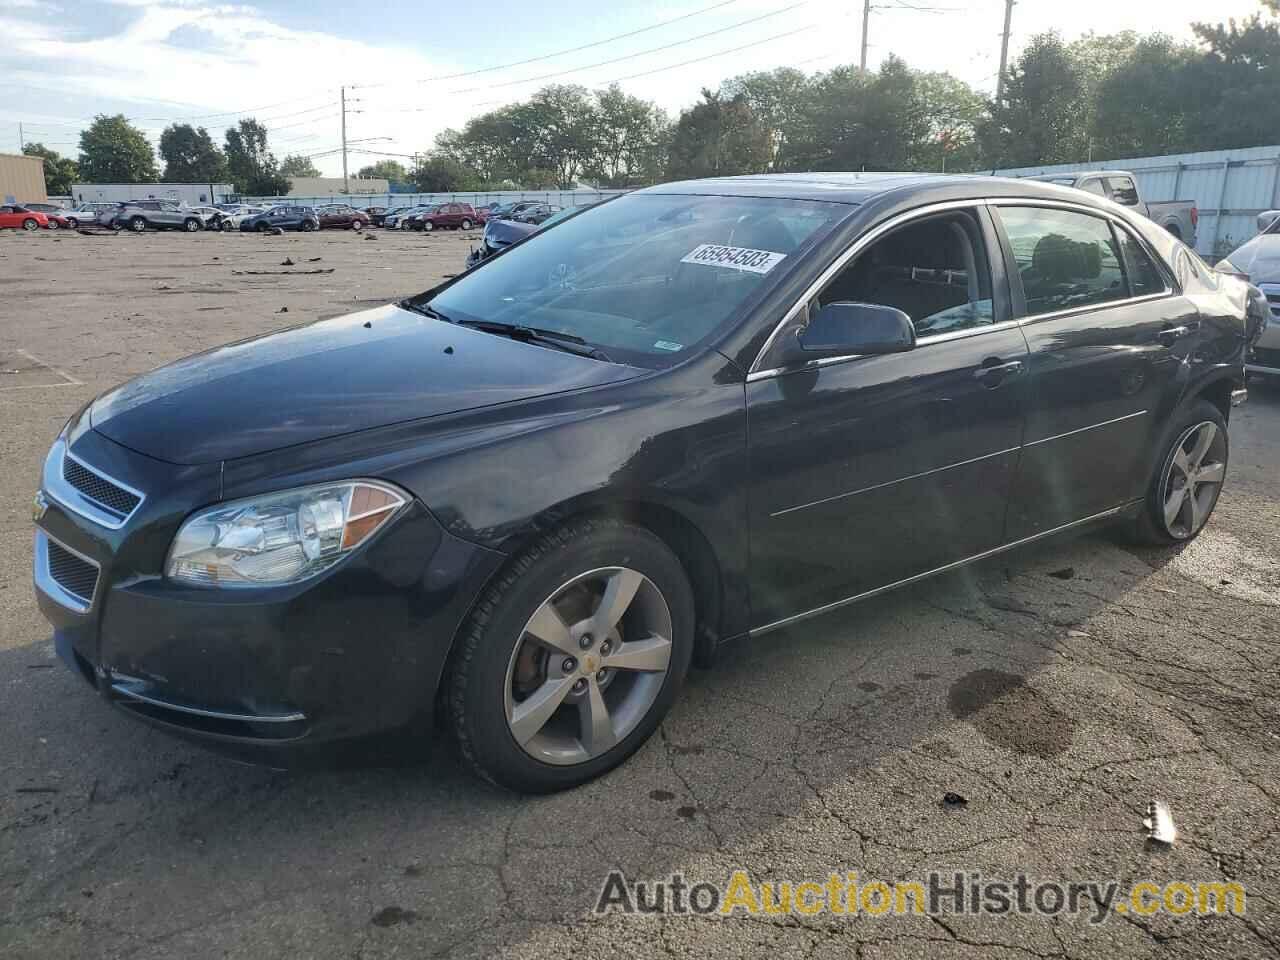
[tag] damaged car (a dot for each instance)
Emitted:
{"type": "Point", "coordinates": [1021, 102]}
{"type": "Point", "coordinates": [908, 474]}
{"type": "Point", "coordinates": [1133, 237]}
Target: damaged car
{"type": "Point", "coordinates": [1258, 262]}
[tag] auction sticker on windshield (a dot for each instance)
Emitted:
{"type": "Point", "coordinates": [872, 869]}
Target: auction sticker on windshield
{"type": "Point", "coordinates": [735, 258]}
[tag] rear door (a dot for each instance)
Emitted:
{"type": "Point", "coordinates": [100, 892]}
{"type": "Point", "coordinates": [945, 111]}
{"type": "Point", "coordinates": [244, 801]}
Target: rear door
{"type": "Point", "coordinates": [867, 471]}
{"type": "Point", "coordinates": [8, 218]}
{"type": "Point", "coordinates": [1108, 337]}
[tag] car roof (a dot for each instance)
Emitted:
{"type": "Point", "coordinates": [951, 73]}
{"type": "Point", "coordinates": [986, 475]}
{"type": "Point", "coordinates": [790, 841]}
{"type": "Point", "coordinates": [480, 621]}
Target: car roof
{"type": "Point", "coordinates": [858, 188]}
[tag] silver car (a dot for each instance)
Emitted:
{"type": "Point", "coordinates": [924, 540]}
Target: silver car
{"type": "Point", "coordinates": [1258, 261]}
{"type": "Point", "coordinates": [138, 215]}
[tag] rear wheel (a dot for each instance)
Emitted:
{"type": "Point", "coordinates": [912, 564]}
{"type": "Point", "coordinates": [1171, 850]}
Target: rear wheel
{"type": "Point", "coordinates": [1189, 479]}
{"type": "Point", "coordinates": [191, 224]}
{"type": "Point", "coordinates": [137, 224]}
{"type": "Point", "coordinates": [428, 226]}
{"type": "Point", "coordinates": [262, 228]}
{"type": "Point", "coordinates": [572, 658]}
{"type": "Point", "coordinates": [466, 224]}
{"type": "Point", "coordinates": [357, 225]}
{"type": "Point", "coordinates": [30, 224]}
{"type": "Point", "coordinates": [307, 226]}
{"type": "Point", "coordinates": [227, 226]}
{"type": "Point", "coordinates": [52, 224]}
{"type": "Point", "coordinates": [73, 223]}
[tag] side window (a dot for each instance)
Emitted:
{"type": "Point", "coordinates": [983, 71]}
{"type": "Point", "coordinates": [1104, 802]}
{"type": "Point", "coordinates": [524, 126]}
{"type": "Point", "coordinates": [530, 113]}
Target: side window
{"type": "Point", "coordinates": [1066, 260]}
{"type": "Point", "coordinates": [1093, 185]}
{"type": "Point", "coordinates": [1144, 278]}
{"type": "Point", "coordinates": [1122, 190]}
{"type": "Point", "coordinates": [934, 270]}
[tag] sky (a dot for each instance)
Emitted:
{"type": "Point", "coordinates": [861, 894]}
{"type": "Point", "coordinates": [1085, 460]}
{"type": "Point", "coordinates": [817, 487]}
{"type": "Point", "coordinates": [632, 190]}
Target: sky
{"type": "Point", "coordinates": [412, 69]}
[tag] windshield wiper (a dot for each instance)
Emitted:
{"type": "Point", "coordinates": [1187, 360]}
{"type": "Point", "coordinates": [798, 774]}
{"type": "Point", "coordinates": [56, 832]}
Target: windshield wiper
{"type": "Point", "coordinates": [568, 342]}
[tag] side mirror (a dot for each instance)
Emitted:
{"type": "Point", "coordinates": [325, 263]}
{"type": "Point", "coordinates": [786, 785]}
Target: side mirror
{"type": "Point", "coordinates": [847, 329]}
{"type": "Point", "coordinates": [1267, 218]}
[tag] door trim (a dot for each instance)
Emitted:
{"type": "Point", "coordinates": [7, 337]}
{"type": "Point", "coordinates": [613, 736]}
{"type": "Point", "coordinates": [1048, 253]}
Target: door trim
{"type": "Point", "coordinates": [835, 605]}
{"type": "Point", "coordinates": [1092, 426]}
{"type": "Point", "coordinates": [890, 483]}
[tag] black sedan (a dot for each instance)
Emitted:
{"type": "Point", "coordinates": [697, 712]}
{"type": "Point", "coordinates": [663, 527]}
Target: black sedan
{"type": "Point", "coordinates": [526, 499]}
{"type": "Point", "coordinates": [283, 218]}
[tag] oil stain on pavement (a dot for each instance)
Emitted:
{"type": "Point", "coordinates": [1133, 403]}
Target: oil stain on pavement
{"type": "Point", "coordinates": [1010, 714]}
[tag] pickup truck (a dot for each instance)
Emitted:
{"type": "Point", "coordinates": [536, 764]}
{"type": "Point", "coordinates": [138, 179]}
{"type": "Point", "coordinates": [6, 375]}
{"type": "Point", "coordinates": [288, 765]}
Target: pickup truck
{"type": "Point", "coordinates": [1179, 217]}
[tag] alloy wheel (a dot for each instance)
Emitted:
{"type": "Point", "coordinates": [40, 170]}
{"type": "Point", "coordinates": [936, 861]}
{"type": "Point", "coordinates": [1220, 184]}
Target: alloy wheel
{"type": "Point", "coordinates": [53, 224]}
{"type": "Point", "coordinates": [30, 225]}
{"type": "Point", "coordinates": [588, 666]}
{"type": "Point", "coordinates": [1193, 479]}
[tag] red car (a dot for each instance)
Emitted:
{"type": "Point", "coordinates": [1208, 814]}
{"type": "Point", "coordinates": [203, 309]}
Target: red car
{"type": "Point", "coordinates": [57, 222]}
{"type": "Point", "coordinates": [455, 216]}
{"type": "Point", "coordinates": [19, 217]}
{"type": "Point", "coordinates": [342, 215]}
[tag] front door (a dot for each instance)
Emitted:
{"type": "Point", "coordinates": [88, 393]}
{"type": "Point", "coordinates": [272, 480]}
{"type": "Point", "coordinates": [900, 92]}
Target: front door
{"type": "Point", "coordinates": [866, 471]}
{"type": "Point", "coordinates": [1108, 337]}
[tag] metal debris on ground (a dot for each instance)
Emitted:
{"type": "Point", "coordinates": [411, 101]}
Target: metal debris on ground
{"type": "Point", "coordinates": [954, 800]}
{"type": "Point", "coordinates": [1159, 823]}
{"type": "Point", "coordinates": [286, 262]}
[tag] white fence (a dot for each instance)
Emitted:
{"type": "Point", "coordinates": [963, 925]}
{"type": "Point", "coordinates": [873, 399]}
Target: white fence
{"type": "Point", "coordinates": [561, 198]}
{"type": "Point", "coordinates": [1229, 187]}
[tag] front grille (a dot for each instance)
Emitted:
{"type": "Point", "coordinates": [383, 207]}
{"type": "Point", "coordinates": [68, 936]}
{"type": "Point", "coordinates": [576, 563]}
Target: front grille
{"type": "Point", "coordinates": [76, 576]}
{"type": "Point", "coordinates": [99, 489]}
{"type": "Point", "coordinates": [1272, 292]}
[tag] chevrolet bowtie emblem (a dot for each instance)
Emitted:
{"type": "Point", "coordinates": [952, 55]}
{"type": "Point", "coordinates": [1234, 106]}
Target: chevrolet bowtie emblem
{"type": "Point", "coordinates": [39, 507]}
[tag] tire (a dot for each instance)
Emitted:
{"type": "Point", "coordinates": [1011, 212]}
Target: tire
{"type": "Point", "coordinates": [357, 225]}
{"type": "Point", "coordinates": [227, 226]}
{"type": "Point", "coordinates": [466, 223]}
{"type": "Point", "coordinates": [495, 647]}
{"type": "Point", "coordinates": [306, 226]}
{"type": "Point", "coordinates": [73, 223]}
{"type": "Point", "coordinates": [137, 224]}
{"type": "Point", "coordinates": [427, 226]}
{"type": "Point", "coordinates": [30, 224]}
{"type": "Point", "coordinates": [262, 228]}
{"type": "Point", "coordinates": [1180, 448]}
{"type": "Point", "coordinates": [52, 224]}
{"type": "Point", "coordinates": [191, 224]}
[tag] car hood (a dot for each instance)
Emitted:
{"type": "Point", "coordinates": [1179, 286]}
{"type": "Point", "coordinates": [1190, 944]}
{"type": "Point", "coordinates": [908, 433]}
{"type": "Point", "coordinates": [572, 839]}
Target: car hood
{"type": "Point", "coordinates": [352, 373]}
{"type": "Point", "coordinates": [1259, 258]}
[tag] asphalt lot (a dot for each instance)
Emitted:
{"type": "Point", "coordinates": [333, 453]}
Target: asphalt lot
{"type": "Point", "coordinates": [1057, 690]}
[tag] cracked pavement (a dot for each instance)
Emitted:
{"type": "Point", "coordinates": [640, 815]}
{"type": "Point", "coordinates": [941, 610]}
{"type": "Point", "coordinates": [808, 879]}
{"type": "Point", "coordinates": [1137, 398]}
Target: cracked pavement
{"type": "Point", "coordinates": [1058, 689]}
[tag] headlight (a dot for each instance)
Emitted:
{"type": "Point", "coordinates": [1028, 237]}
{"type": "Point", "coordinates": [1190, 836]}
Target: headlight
{"type": "Point", "coordinates": [280, 538]}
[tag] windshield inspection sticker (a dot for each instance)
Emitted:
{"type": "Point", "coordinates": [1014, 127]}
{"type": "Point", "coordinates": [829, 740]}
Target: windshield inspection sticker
{"type": "Point", "coordinates": [668, 345]}
{"type": "Point", "coordinates": [735, 258]}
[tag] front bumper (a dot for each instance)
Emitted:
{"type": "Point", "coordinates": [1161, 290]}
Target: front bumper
{"type": "Point", "coordinates": [269, 674]}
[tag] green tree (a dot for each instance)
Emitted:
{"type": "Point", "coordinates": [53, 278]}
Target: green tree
{"type": "Point", "coordinates": [112, 150]}
{"type": "Point", "coordinates": [190, 155]}
{"type": "Point", "coordinates": [250, 163]}
{"type": "Point", "coordinates": [59, 172]}
{"type": "Point", "coordinates": [441, 174]}
{"type": "Point", "coordinates": [778, 99]}
{"type": "Point", "coordinates": [719, 137]}
{"type": "Point", "coordinates": [1043, 117]}
{"type": "Point", "coordinates": [1150, 101]}
{"type": "Point", "coordinates": [1242, 67]}
{"type": "Point", "coordinates": [389, 170]}
{"type": "Point", "coordinates": [294, 165]}
{"type": "Point", "coordinates": [625, 141]}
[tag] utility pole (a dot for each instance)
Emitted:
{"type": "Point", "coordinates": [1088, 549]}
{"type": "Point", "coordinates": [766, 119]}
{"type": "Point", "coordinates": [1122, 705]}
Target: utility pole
{"type": "Point", "coordinates": [21, 142]}
{"type": "Point", "coordinates": [866, 20]}
{"type": "Point", "coordinates": [346, 182]}
{"type": "Point", "coordinates": [1004, 49]}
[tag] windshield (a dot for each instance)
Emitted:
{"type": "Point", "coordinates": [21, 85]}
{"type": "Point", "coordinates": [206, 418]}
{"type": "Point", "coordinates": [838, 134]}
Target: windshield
{"type": "Point", "coordinates": [645, 277]}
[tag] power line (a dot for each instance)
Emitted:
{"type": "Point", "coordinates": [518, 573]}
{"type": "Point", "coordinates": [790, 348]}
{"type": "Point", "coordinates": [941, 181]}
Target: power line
{"type": "Point", "coordinates": [630, 56]}
{"type": "Point", "coordinates": [558, 53]}
{"type": "Point", "coordinates": [712, 56]}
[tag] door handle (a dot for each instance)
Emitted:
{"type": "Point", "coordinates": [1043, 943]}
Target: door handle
{"type": "Point", "coordinates": [992, 373]}
{"type": "Point", "coordinates": [1168, 336]}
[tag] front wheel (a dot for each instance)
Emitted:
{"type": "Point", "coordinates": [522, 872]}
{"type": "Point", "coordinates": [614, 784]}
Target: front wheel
{"type": "Point", "coordinates": [572, 658]}
{"type": "Point", "coordinates": [137, 224]}
{"type": "Point", "coordinates": [73, 223]}
{"type": "Point", "coordinates": [307, 226]}
{"type": "Point", "coordinates": [262, 228]}
{"type": "Point", "coordinates": [191, 224]}
{"type": "Point", "coordinates": [427, 226]}
{"type": "Point", "coordinates": [52, 224]}
{"type": "Point", "coordinates": [1189, 479]}
{"type": "Point", "coordinates": [227, 226]}
{"type": "Point", "coordinates": [357, 225]}
{"type": "Point", "coordinates": [466, 224]}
